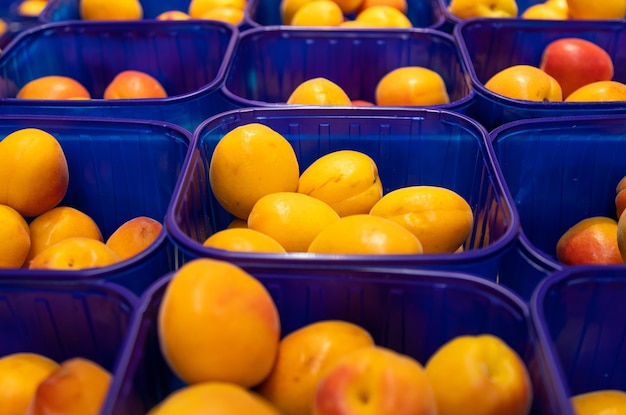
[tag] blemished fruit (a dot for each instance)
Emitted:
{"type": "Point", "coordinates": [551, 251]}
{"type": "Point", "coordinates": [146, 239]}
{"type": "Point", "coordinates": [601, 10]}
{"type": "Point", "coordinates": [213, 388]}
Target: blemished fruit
{"type": "Point", "coordinates": [243, 239]}
{"type": "Point", "coordinates": [479, 375]}
{"type": "Point", "coordinates": [20, 374]}
{"type": "Point", "coordinates": [591, 240]}
{"type": "Point", "coordinates": [74, 253]}
{"type": "Point", "coordinates": [57, 224]}
{"type": "Point", "coordinates": [411, 86]}
{"type": "Point", "coordinates": [601, 91]}
{"type": "Point", "coordinates": [318, 91]}
{"type": "Point", "coordinates": [110, 9]}
{"type": "Point", "coordinates": [34, 176]}
{"type": "Point", "coordinates": [600, 402]}
{"type": "Point", "coordinates": [439, 217]}
{"type": "Point", "coordinates": [249, 162]}
{"type": "Point", "coordinates": [292, 219]}
{"type": "Point", "coordinates": [375, 380]}
{"type": "Point", "coordinates": [15, 239]}
{"type": "Point", "coordinates": [53, 87]}
{"type": "Point", "coordinates": [575, 62]}
{"type": "Point", "coordinates": [221, 398]}
{"type": "Point", "coordinates": [305, 356]}
{"type": "Point", "coordinates": [525, 82]}
{"type": "Point", "coordinates": [467, 9]}
{"type": "Point", "coordinates": [134, 236]}
{"type": "Point", "coordinates": [77, 386]}
{"type": "Point", "coordinates": [132, 84]}
{"type": "Point", "coordinates": [347, 180]}
{"type": "Point", "coordinates": [365, 234]}
{"type": "Point", "coordinates": [216, 322]}
{"type": "Point", "coordinates": [318, 13]}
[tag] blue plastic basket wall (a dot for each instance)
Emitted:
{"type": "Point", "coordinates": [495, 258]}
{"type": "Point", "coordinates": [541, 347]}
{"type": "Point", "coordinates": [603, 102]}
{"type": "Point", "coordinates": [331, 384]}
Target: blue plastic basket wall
{"type": "Point", "coordinates": [270, 62]}
{"type": "Point", "coordinates": [579, 319]}
{"type": "Point", "coordinates": [118, 169]}
{"type": "Point", "coordinates": [189, 60]}
{"type": "Point", "coordinates": [413, 312]}
{"type": "Point", "coordinates": [410, 148]}
{"type": "Point", "coordinates": [558, 172]}
{"type": "Point", "coordinates": [490, 45]}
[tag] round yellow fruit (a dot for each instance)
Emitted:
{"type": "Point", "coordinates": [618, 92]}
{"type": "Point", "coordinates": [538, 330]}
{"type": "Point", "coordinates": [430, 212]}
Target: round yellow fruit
{"type": "Point", "coordinates": [600, 402]}
{"type": "Point", "coordinates": [319, 91]}
{"type": "Point", "coordinates": [243, 240]}
{"type": "Point", "coordinates": [110, 10]}
{"type": "Point", "coordinates": [411, 86]}
{"type": "Point", "coordinates": [15, 238]}
{"type": "Point", "coordinates": [75, 253]}
{"type": "Point", "coordinates": [439, 217]}
{"type": "Point", "coordinates": [249, 162]}
{"type": "Point", "coordinates": [347, 180]}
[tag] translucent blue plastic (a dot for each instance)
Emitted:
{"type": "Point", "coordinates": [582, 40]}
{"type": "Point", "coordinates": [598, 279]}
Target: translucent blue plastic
{"type": "Point", "coordinates": [356, 60]}
{"type": "Point", "coordinates": [490, 45]}
{"type": "Point", "coordinates": [558, 172]}
{"type": "Point", "coordinates": [577, 312]}
{"type": "Point", "coordinates": [413, 312]}
{"type": "Point", "coordinates": [118, 169]}
{"type": "Point", "coordinates": [424, 147]}
{"type": "Point", "coordinates": [421, 13]}
{"type": "Point", "coordinates": [188, 59]}
{"type": "Point", "coordinates": [63, 321]}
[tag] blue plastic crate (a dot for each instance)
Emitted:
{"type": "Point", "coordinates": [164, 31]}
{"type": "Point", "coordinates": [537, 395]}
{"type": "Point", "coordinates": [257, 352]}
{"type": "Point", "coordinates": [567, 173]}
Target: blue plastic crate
{"type": "Point", "coordinates": [581, 328]}
{"type": "Point", "coordinates": [421, 13]}
{"type": "Point", "coordinates": [424, 147]}
{"type": "Point", "coordinates": [490, 45]}
{"type": "Point", "coordinates": [62, 321]}
{"type": "Point", "coordinates": [261, 74]}
{"type": "Point", "coordinates": [189, 59]}
{"type": "Point", "coordinates": [558, 172]}
{"type": "Point", "coordinates": [118, 169]}
{"type": "Point", "coordinates": [410, 311]}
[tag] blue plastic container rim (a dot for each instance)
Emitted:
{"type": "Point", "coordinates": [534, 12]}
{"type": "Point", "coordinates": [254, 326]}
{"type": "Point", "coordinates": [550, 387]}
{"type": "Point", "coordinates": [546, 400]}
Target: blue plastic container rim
{"type": "Point", "coordinates": [521, 25]}
{"type": "Point", "coordinates": [355, 33]}
{"type": "Point", "coordinates": [135, 26]}
{"type": "Point", "coordinates": [99, 273]}
{"type": "Point", "coordinates": [299, 259]}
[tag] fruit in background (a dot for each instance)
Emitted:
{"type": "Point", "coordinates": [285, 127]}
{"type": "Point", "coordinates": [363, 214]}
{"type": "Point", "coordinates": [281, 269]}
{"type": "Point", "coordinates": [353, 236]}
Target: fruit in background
{"type": "Point", "coordinates": [383, 16]}
{"type": "Point", "coordinates": [305, 356]}
{"type": "Point", "coordinates": [249, 162]}
{"type": "Point", "coordinates": [34, 176]}
{"type": "Point", "coordinates": [53, 87]}
{"type": "Point", "coordinates": [14, 238]}
{"type": "Point", "coordinates": [57, 224]}
{"type": "Point", "coordinates": [74, 253]}
{"type": "Point", "coordinates": [525, 82]}
{"type": "Point", "coordinates": [293, 219]}
{"type": "Point", "coordinates": [576, 62]}
{"type": "Point", "coordinates": [601, 91]}
{"type": "Point", "coordinates": [173, 15]}
{"type": "Point", "coordinates": [439, 217]}
{"type": "Point", "coordinates": [621, 236]}
{"type": "Point", "coordinates": [401, 5]}
{"type": "Point", "coordinates": [289, 7]}
{"type": "Point", "coordinates": [544, 11]}
{"type": "Point", "coordinates": [237, 223]}
{"type": "Point", "coordinates": [20, 374]}
{"type": "Point", "coordinates": [110, 9]}
{"type": "Point", "coordinates": [590, 241]}
{"type": "Point", "coordinates": [230, 15]}
{"type": "Point", "coordinates": [584, 9]}
{"type": "Point", "coordinates": [479, 375]}
{"type": "Point", "coordinates": [347, 180]}
{"type": "Point", "coordinates": [31, 8]}
{"type": "Point", "coordinates": [77, 386]}
{"type": "Point", "coordinates": [318, 13]}
{"type": "Point", "coordinates": [411, 85]}
{"type": "Point", "coordinates": [467, 9]}
{"type": "Point", "coordinates": [620, 197]}
{"type": "Point", "coordinates": [362, 103]}
{"type": "Point", "coordinates": [216, 322]}
{"type": "Point", "coordinates": [132, 84]}
{"type": "Point", "coordinates": [198, 8]}
{"type": "Point", "coordinates": [349, 6]}
{"type": "Point", "coordinates": [375, 380]}
{"type": "Point", "coordinates": [365, 234]}
{"type": "Point", "coordinates": [243, 239]}
{"type": "Point", "coordinates": [319, 91]}
{"type": "Point", "coordinates": [599, 402]}
{"type": "Point", "coordinates": [213, 398]}
{"type": "Point", "coordinates": [134, 236]}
